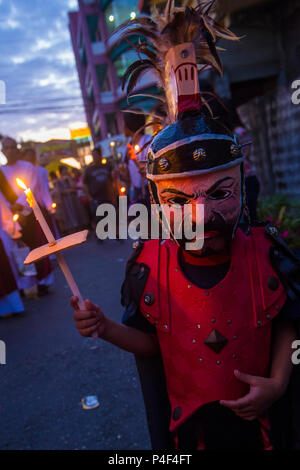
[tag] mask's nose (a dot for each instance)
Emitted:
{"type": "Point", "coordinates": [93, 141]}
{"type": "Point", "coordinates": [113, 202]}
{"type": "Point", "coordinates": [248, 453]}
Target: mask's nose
{"type": "Point", "coordinates": [197, 209]}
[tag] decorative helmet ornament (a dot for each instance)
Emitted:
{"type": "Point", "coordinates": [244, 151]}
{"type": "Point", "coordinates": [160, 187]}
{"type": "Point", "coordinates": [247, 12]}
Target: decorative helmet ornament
{"type": "Point", "coordinates": [180, 42]}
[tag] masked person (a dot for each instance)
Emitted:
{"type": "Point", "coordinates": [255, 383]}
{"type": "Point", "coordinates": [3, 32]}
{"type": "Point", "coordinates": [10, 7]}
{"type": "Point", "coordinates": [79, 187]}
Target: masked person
{"type": "Point", "coordinates": [217, 315]}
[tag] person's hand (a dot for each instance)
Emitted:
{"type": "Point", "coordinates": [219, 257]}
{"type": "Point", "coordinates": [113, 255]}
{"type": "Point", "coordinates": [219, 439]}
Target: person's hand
{"type": "Point", "coordinates": [262, 394]}
{"type": "Point", "coordinates": [90, 322]}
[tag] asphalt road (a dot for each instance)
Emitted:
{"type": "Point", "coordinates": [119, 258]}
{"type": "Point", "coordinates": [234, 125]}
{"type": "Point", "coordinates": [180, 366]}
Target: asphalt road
{"type": "Point", "coordinates": [50, 367]}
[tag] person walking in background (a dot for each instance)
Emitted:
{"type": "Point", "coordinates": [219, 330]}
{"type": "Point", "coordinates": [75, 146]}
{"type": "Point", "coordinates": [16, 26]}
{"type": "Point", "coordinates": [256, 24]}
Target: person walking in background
{"type": "Point", "coordinates": [58, 214]}
{"type": "Point", "coordinates": [98, 182]}
{"type": "Point", "coordinates": [74, 216]}
{"type": "Point", "coordinates": [83, 197]}
{"type": "Point", "coordinates": [137, 149]}
{"type": "Point", "coordinates": [41, 189]}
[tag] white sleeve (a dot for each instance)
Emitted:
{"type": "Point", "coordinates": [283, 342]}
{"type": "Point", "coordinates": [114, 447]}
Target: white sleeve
{"type": "Point", "coordinates": [45, 188]}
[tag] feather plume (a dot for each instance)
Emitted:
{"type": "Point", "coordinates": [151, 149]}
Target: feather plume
{"type": "Point", "coordinates": [169, 28]}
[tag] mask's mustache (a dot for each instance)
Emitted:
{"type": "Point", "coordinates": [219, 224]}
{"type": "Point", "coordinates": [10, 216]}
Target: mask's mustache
{"type": "Point", "coordinates": [215, 224]}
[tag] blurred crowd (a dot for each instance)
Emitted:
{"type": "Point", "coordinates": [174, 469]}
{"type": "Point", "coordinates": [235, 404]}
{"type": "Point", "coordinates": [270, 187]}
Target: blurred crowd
{"type": "Point", "coordinates": [68, 199]}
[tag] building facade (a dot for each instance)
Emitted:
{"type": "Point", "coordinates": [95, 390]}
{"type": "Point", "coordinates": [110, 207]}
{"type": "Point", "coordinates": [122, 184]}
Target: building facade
{"type": "Point", "coordinates": [260, 73]}
{"type": "Point", "coordinates": [101, 65]}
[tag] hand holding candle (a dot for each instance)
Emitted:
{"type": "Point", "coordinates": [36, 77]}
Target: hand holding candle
{"type": "Point", "coordinates": [69, 241]}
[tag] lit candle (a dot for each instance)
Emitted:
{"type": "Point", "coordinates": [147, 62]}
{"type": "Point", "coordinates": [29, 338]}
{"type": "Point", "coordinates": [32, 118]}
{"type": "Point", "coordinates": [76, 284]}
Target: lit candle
{"type": "Point", "coordinates": [37, 211]}
{"type": "Point", "coordinates": [49, 235]}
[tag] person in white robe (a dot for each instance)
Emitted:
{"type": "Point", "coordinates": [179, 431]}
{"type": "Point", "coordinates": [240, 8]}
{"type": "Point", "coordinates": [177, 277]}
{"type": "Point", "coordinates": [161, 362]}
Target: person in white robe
{"type": "Point", "coordinates": [32, 236]}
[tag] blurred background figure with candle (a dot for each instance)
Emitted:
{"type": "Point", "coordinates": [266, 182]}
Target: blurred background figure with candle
{"type": "Point", "coordinates": [32, 234]}
{"type": "Point", "coordinates": [98, 182]}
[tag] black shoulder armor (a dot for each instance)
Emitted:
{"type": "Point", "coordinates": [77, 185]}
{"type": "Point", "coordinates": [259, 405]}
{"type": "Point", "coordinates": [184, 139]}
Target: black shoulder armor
{"type": "Point", "coordinates": [136, 278]}
{"type": "Point", "coordinates": [285, 261]}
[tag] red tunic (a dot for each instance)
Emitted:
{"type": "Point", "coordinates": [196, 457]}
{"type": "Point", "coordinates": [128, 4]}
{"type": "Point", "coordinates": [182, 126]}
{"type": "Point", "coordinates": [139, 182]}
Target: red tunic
{"type": "Point", "coordinates": [235, 315]}
{"type": "Point", "coordinates": [7, 279]}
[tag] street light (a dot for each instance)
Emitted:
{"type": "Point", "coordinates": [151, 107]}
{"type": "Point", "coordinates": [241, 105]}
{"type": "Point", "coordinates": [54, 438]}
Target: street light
{"type": "Point", "coordinates": [111, 18]}
{"type": "Point", "coordinates": [113, 143]}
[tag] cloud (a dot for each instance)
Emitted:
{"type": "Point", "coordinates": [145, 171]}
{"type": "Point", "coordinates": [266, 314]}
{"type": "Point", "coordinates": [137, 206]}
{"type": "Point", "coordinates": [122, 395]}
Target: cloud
{"type": "Point", "coordinates": [73, 4]}
{"type": "Point", "coordinates": [38, 68]}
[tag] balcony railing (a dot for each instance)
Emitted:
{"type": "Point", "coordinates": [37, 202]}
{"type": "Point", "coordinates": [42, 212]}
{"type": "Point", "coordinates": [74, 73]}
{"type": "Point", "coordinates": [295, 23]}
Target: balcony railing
{"type": "Point", "coordinates": [107, 97]}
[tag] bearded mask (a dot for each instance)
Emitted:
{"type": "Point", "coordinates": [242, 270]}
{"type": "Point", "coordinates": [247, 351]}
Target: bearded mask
{"type": "Point", "coordinates": [196, 161]}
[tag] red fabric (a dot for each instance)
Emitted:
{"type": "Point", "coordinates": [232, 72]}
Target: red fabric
{"type": "Point", "coordinates": [7, 279]}
{"type": "Point", "coordinates": [240, 307]}
{"type": "Point", "coordinates": [189, 102]}
{"type": "Point", "coordinates": [265, 432]}
{"type": "Point", "coordinates": [207, 260]}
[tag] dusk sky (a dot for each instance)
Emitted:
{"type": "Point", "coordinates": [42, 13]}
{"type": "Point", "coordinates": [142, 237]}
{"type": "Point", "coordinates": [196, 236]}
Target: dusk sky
{"type": "Point", "coordinates": [38, 68]}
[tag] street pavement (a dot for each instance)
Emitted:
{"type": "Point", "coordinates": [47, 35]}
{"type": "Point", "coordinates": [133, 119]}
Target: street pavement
{"type": "Point", "coordinates": [50, 367]}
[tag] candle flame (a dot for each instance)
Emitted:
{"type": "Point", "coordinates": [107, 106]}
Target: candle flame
{"type": "Point", "coordinates": [137, 148]}
{"type": "Point", "coordinates": [53, 205]}
{"type": "Point", "coordinates": [16, 217]}
{"type": "Point", "coordinates": [104, 161]}
{"type": "Point", "coordinates": [21, 184]}
{"type": "Point", "coordinates": [123, 189]}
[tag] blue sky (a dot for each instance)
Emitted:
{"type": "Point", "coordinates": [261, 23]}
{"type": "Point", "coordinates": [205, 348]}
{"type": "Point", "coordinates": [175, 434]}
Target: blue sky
{"type": "Point", "coordinates": [38, 67]}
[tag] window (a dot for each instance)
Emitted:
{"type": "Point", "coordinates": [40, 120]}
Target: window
{"type": "Point", "coordinates": [103, 78]}
{"type": "Point", "coordinates": [98, 34]}
{"type": "Point", "coordinates": [111, 123]}
{"type": "Point", "coordinates": [106, 84]}
{"type": "Point", "coordinates": [120, 11]}
{"type": "Point", "coordinates": [92, 21]}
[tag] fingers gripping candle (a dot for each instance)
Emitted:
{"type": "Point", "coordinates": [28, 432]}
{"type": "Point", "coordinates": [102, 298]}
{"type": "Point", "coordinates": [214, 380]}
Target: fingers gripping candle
{"type": "Point", "coordinates": [50, 238]}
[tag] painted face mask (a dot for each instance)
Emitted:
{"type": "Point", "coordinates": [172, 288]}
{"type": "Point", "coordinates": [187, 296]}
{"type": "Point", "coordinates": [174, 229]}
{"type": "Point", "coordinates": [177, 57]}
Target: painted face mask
{"type": "Point", "coordinates": [220, 195]}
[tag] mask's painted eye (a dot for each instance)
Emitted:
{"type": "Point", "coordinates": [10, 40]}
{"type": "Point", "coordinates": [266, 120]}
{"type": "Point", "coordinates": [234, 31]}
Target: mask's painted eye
{"type": "Point", "coordinates": [220, 194]}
